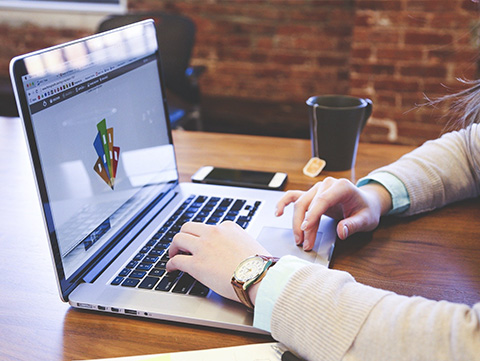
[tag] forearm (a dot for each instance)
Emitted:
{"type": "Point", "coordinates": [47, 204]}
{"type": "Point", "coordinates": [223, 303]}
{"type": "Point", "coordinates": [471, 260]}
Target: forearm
{"type": "Point", "coordinates": [414, 328]}
{"type": "Point", "coordinates": [325, 314]}
{"type": "Point", "coordinates": [441, 171]}
{"type": "Point", "coordinates": [321, 311]}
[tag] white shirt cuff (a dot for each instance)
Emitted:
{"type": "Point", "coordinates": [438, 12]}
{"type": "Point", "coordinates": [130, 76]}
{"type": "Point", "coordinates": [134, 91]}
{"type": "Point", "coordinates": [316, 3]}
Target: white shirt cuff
{"type": "Point", "coordinates": [271, 287]}
{"type": "Point", "coordinates": [396, 188]}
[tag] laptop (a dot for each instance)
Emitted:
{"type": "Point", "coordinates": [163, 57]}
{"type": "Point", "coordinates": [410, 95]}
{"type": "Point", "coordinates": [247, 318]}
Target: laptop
{"type": "Point", "coordinates": [97, 127]}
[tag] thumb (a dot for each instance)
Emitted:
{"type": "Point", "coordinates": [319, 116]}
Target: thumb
{"type": "Point", "coordinates": [360, 222]}
{"type": "Point", "coordinates": [344, 229]}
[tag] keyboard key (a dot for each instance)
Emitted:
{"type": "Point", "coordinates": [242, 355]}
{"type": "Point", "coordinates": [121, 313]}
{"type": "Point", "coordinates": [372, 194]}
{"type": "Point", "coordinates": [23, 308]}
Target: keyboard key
{"type": "Point", "coordinates": [124, 272]}
{"type": "Point", "coordinates": [218, 214]}
{"type": "Point", "coordinates": [242, 224]}
{"type": "Point", "coordinates": [161, 264]}
{"type": "Point", "coordinates": [148, 283]}
{"type": "Point", "coordinates": [238, 205]}
{"type": "Point", "coordinates": [139, 257]}
{"type": "Point", "coordinates": [213, 220]}
{"type": "Point", "coordinates": [117, 281]}
{"type": "Point", "coordinates": [150, 243]}
{"type": "Point", "coordinates": [132, 264]}
{"type": "Point", "coordinates": [161, 246]}
{"type": "Point", "coordinates": [184, 284]}
{"type": "Point", "coordinates": [156, 252]}
{"type": "Point", "coordinates": [166, 283]}
{"type": "Point", "coordinates": [145, 249]}
{"type": "Point", "coordinates": [200, 199]}
{"type": "Point", "coordinates": [199, 289]}
{"type": "Point", "coordinates": [157, 272]}
{"type": "Point", "coordinates": [150, 259]}
{"type": "Point", "coordinates": [138, 274]}
{"type": "Point", "coordinates": [244, 219]}
{"type": "Point", "coordinates": [130, 282]}
{"type": "Point", "coordinates": [144, 266]}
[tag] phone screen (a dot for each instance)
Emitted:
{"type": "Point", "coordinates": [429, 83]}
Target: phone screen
{"type": "Point", "coordinates": [238, 176]}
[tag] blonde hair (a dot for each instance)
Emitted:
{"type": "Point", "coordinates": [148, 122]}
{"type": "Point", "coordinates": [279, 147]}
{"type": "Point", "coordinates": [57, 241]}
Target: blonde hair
{"type": "Point", "coordinates": [463, 113]}
{"type": "Point", "coordinates": [464, 106]}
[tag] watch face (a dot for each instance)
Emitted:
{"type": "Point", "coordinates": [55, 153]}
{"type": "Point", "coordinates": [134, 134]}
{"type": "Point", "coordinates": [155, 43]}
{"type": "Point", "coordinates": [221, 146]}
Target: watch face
{"type": "Point", "coordinates": [250, 268]}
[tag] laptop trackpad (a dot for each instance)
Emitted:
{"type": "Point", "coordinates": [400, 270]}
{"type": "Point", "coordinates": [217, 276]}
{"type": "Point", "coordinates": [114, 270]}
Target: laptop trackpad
{"type": "Point", "coordinates": [280, 242]}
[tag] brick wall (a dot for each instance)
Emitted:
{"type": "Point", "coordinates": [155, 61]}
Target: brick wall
{"type": "Point", "coordinates": [273, 50]}
{"type": "Point", "coordinates": [280, 52]}
{"type": "Point", "coordinates": [403, 49]}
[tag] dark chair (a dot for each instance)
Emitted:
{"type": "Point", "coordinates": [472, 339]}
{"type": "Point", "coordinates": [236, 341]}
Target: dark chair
{"type": "Point", "coordinates": [176, 38]}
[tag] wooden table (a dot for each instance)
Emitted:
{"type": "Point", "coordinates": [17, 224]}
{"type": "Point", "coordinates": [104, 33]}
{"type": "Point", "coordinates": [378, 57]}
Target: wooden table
{"type": "Point", "coordinates": [435, 255]}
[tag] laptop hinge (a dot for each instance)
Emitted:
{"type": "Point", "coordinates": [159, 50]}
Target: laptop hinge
{"type": "Point", "coordinates": [125, 239]}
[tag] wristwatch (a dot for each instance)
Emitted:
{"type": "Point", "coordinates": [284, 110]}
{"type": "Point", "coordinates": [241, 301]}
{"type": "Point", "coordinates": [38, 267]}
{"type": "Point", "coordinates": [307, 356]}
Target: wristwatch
{"type": "Point", "coordinates": [249, 272]}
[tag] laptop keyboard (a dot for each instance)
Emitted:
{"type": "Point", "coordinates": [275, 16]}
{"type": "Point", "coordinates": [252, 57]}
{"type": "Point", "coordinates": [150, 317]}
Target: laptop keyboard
{"type": "Point", "coordinates": [146, 270]}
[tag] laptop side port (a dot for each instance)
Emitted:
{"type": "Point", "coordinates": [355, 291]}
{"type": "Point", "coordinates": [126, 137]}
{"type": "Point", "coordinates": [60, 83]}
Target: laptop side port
{"type": "Point", "coordinates": [130, 312]}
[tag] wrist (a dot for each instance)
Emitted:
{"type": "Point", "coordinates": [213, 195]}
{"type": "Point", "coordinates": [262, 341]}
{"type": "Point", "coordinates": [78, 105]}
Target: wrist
{"type": "Point", "coordinates": [252, 292]}
{"type": "Point", "coordinates": [248, 275]}
{"type": "Point", "coordinates": [380, 195]}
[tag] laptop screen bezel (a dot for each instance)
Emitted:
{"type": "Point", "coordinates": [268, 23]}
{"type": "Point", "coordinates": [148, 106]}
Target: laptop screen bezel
{"type": "Point", "coordinates": [17, 71]}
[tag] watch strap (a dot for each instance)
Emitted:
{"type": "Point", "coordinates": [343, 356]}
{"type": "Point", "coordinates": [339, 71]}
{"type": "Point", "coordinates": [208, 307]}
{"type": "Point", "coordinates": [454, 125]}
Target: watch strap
{"type": "Point", "coordinates": [241, 288]}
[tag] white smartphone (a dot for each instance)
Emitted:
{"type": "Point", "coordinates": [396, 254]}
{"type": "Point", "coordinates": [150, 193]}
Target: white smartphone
{"type": "Point", "coordinates": [240, 178]}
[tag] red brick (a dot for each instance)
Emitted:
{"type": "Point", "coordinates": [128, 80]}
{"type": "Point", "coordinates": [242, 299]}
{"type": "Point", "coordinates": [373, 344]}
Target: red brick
{"type": "Point", "coordinates": [378, 5]}
{"type": "Point", "coordinates": [431, 6]}
{"type": "Point", "coordinates": [400, 86]}
{"type": "Point", "coordinates": [375, 36]}
{"type": "Point", "coordinates": [396, 53]}
{"type": "Point", "coordinates": [374, 69]}
{"type": "Point", "coordinates": [427, 38]}
{"type": "Point", "coordinates": [361, 52]}
{"type": "Point", "coordinates": [364, 19]}
{"type": "Point", "coordinates": [331, 60]}
{"type": "Point", "coordinates": [438, 71]}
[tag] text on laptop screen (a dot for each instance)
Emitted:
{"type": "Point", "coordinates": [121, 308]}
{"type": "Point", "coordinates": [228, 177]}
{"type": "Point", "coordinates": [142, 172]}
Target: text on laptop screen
{"type": "Point", "coordinates": [100, 127]}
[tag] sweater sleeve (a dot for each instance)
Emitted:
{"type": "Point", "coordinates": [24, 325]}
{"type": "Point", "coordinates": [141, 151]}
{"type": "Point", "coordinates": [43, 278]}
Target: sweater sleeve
{"type": "Point", "coordinates": [320, 312]}
{"type": "Point", "coordinates": [325, 314]}
{"type": "Point", "coordinates": [441, 171]}
{"type": "Point", "coordinates": [414, 328]}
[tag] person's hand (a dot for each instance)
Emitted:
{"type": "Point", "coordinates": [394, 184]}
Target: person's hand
{"type": "Point", "coordinates": [211, 254]}
{"type": "Point", "coordinates": [357, 209]}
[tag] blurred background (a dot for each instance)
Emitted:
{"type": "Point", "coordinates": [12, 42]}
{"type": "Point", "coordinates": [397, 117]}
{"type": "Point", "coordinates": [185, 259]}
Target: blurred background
{"type": "Point", "coordinates": [261, 60]}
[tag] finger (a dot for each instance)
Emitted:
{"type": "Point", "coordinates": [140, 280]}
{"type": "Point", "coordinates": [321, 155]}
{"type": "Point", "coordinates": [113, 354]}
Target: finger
{"type": "Point", "coordinates": [179, 262]}
{"type": "Point", "coordinates": [183, 243]}
{"type": "Point", "coordinates": [195, 228]}
{"type": "Point", "coordinates": [328, 196]}
{"type": "Point", "coordinates": [310, 237]}
{"type": "Point", "coordinates": [301, 207]}
{"type": "Point", "coordinates": [289, 197]}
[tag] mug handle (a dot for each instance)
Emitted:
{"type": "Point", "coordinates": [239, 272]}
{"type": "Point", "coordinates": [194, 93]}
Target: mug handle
{"type": "Point", "coordinates": [368, 111]}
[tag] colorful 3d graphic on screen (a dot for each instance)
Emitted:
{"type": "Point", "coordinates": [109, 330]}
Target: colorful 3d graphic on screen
{"type": "Point", "coordinates": [106, 165]}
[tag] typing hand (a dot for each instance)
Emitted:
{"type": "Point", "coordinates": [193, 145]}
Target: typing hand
{"type": "Point", "coordinates": [357, 209]}
{"type": "Point", "coordinates": [211, 253]}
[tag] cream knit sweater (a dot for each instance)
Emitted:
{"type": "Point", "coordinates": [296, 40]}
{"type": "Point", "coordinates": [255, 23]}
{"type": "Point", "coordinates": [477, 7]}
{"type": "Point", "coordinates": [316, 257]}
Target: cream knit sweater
{"type": "Point", "coordinates": [325, 314]}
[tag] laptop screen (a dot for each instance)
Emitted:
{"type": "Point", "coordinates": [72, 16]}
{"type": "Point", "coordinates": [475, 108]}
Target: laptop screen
{"type": "Point", "coordinates": [98, 122]}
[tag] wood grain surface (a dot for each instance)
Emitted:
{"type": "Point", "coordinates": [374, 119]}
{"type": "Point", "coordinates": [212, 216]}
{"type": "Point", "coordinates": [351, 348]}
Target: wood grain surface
{"type": "Point", "coordinates": [434, 255]}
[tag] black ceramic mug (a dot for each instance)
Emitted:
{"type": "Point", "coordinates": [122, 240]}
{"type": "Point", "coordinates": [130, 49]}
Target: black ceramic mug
{"type": "Point", "coordinates": [336, 122]}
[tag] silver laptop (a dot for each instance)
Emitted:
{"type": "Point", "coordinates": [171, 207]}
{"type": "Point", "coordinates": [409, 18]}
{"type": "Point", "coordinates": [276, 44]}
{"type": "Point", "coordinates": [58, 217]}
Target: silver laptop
{"type": "Point", "coordinates": [97, 126]}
